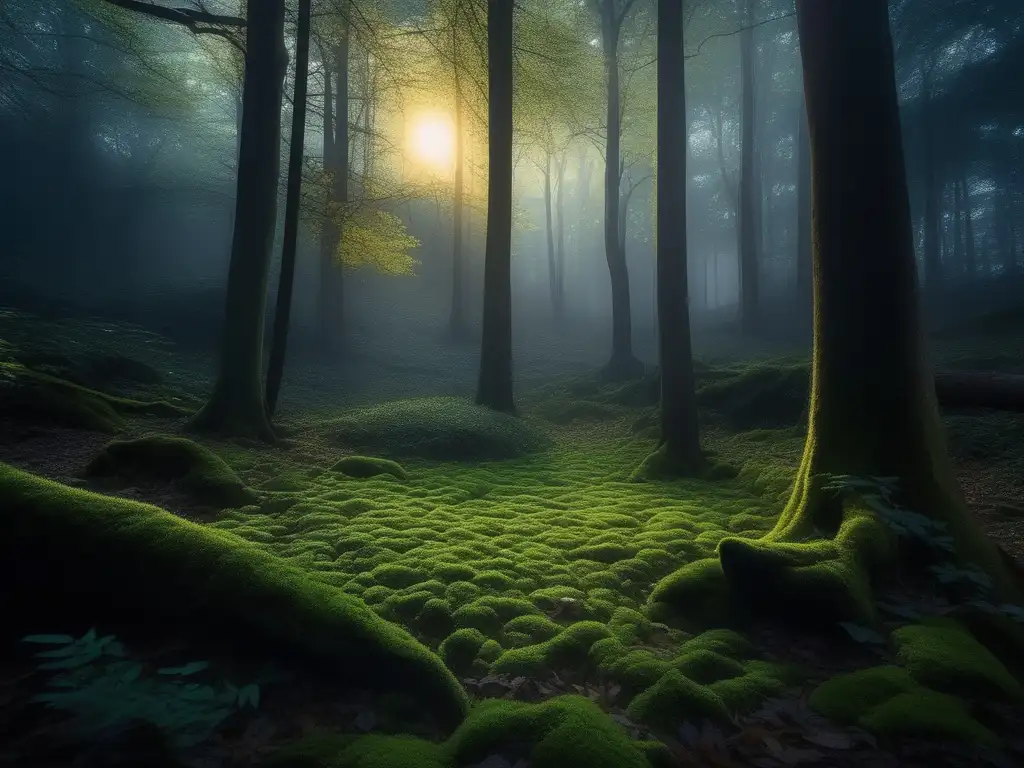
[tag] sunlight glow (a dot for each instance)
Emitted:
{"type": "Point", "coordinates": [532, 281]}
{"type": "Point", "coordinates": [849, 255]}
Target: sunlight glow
{"type": "Point", "coordinates": [432, 141]}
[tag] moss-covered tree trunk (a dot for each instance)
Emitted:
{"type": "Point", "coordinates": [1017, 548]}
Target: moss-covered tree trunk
{"type": "Point", "coordinates": [804, 262]}
{"type": "Point", "coordinates": [680, 434]}
{"type": "Point", "coordinates": [494, 388]}
{"type": "Point", "coordinates": [873, 408]}
{"type": "Point", "coordinates": [236, 405]}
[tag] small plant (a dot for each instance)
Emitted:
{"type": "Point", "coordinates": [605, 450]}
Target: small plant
{"type": "Point", "coordinates": [95, 681]}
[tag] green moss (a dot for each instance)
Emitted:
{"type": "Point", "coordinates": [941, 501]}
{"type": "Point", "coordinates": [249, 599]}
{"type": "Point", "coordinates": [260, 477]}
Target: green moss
{"type": "Point", "coordinates": [565, 732]}
{"type": "Point", "coordinates": [490, 651]}
{"type": "Point", "coordinates": [369, 466]}
{"type": "Point", "coordinates": [479, 617]}
{"type": "Point", "coordinates": [675, 698]}
{"type": "Point", "coordinates": [438, 428]}
{"type": "Point", "coordinates": [722, 641]}
{"type": "Point", "coordinates": [704, 667]}
{"type": "Point", "coordinates": [759, 395]}
{"type": "Point", "coordinates": [172, 459]}
{"type": "Point", "coordinates": [39, 398]}
{"type": "Point", "coordinates": [569, 648]}
{"type": "Point", "coordinates": [947, 658]}
{"type": "Point", "coordinates": [538, 628]}
{"type": "Point", "coordinates": [922, 713]}
{"type": "Point", "coordinates": [758, 681]}
{"type": "Point", "coordinates": [435, 617]}
{"type": "Point", "coordinates": [459, 650]}
{"type": "Point", "coordinates": [317, 749]}
{"type": "Point", "coordinates": [846, 698]}
{"type": "Point", "coordinates": [566, 411]}
{"type": "Point", "coordinates": [373, 751]}
{"type": "Point", "coordinates": [126, 565]}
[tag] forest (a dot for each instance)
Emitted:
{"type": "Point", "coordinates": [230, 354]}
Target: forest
{"type": "Point", "coordinates": [512, 384]}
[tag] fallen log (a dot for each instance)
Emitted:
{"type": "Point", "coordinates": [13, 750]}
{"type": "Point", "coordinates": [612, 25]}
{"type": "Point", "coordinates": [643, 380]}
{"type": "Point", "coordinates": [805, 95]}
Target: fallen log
{"type": "Point", "coordinates": [980, 389]}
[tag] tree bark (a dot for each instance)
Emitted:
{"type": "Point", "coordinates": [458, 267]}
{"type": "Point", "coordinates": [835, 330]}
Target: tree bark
{"type": "Point", "coordinates": [804, 257]}
{"type": "Point", "coordinates": [494, 388]}
{"type": "Point", "coordinates": [679, 447]}
{"type": "Point", "coordinates": [457, 318]}
{"type": "Point", "coordinates": [873, 409]}
{"type": "Point", "coordinates": [622, 364]}
{"type": "Point", "coordinates": [749, 226]}
{"type": "Point", "coordinates": [560, 239]}
{"type": "Point", "coordinates": [236, 405]}
{"type": "Point", "coordinates": [549, 232]}
{"type": "Point", "coordinates": [932, 243]}
{"type": "Point", "coordinates": [286, 283]}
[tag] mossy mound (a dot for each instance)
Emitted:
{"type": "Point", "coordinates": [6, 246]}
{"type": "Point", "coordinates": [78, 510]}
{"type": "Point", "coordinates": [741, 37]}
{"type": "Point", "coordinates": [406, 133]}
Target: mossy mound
{"type": "Point", "coordinates": [762, 395]}
{"type": "Point", "coordinates": [369, 466]}
{"type": "Point", "coordinates": [889, 702]}
{"type": "Point", "coordinates": [38, 398]}
{"type": "Point", "coordinates": [559, 411]}
{"type": "Point", "coordinates": [441, 428]}
{"type": "Point", "coordinates": [82, 559]}
{"type": "Point", "coordinates": [165, 458]}
{"type": "Point", "coordinates": [947, 658]}
{"type": "Point", "coordinates": [565, 732]}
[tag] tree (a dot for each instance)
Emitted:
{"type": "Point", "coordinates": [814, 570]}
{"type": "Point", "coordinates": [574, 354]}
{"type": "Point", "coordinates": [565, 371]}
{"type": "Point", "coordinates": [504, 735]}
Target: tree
{"type": "Point", "coordinates": [679, 449]}
{"type": "Point", "coordinates": [237, 404]}
{"type": "Point", "coordinates": [873, 411]}
{"type": "Point", "coordinates": [494, 388]}
{"type": "Point", "coordinates": [279, 343]}
{"type": "Point", "coordinates": [622, 363]}
{"type": "Point", "coordinates": [749, 221]}
{"type": "Point", "coordinates": [804, 258]}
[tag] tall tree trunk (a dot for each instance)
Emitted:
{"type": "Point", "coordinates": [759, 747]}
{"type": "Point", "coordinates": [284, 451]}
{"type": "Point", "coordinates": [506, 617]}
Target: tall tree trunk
{"type": "Point", "coordinates": [457, 318]}
{"type": "Point", "coordinates": [549, 231]}
{"type": "Point", "coordinates": [494, 388]}
{"type": "Point", "coordinates": [282, 315]}
{"type": "Point", "coordinates": [679, 448]}
{"type": "Point", "coordinates": [236, 405]}
{"type": "Point", "coordinates": [958, 242]}
{"type": "Point", "coordinates": [748, 224]}
{"type": "Point", "coordinates": [970, 248]}
{"type": "Point", "coordinates": [932, 234]}
{"type": "Point", "coordinates": [329, 230]}
{"type": "Point", "coordinates": [622, 364]}
{"type": "Point", "coordinates": [873, 410]}
{"type": "Point", "coordinates": [560, 238]}
{"type": "Point", "coordinates": [804, 263]}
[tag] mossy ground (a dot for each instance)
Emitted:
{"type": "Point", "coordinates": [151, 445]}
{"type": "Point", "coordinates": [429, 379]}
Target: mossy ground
{"type": "Point", "coordinates": [525, 548]}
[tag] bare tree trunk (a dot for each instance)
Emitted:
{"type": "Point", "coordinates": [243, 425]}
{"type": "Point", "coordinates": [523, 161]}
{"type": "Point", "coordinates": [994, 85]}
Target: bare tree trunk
{"type": "Point", "coordinates": [679, 448]}
{"type": "Point", "coordinates": [804, 256]}
{"type": "Point", "coordinates": [236, 405]}
{"type": "Point", "coordinates": [932, 242]}
{"type": "Point", "coordinates": [622, 364]}
{"type": "Point", "coordinates": [457, 318]}
{"type": "Point", "coordinates": [560, 239]}
{"type": "Point", "coordinates": [549, 230]}
{"type": "Point", "coordinates": [494, 388]}
{"type": "Point", "coordinates": [279, 342]}
{"type": "Point", "coordinates": [748, 224]}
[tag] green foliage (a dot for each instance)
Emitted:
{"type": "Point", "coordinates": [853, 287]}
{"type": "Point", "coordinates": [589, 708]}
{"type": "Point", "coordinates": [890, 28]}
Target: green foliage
{"type": "Point", "coordinates": [378, 239]}
{"type": "Point", "coordinates": [101, 686]}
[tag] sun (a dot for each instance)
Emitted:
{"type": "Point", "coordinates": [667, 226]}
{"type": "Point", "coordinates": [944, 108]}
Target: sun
{"type": "Point", "coordinates": [432, 140]}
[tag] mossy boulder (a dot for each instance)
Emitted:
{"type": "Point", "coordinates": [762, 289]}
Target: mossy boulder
{"type": "Point", "coordinates": [166, 458]}
{"type": "Point", "coordinates": [674, 699]}
{"type": "Point", "coordinates": [369, 466]}
{"type": "Point", "coordinates": [564, 732]}
{"type": "Point", "coordinates": [762, 395]}
{"type": "Point", "coordinates": [441, 428]}
{"type": "Point", "coordinates": [889, 702]}
{"type": "Point", "coordinates": [81, 559]}
{"type": "Point", "coordinates": [947, 658]}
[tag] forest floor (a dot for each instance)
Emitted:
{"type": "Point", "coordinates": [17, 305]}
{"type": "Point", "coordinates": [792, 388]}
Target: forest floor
{"type": "Point", "coordinates": [514, 548]}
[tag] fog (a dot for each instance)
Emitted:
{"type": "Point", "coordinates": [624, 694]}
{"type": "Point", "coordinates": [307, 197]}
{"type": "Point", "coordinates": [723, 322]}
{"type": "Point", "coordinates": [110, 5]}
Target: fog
{"type": "Point", "coordinates": [119, 137]}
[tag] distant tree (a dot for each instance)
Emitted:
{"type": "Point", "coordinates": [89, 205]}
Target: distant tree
{"type": "Point", "coordinates": [873, 411]}
{"type": "Point", "coordinates": [289, 248]}
{"type": "Point", "coordinates": [494, 388]}
{"type": "Point", "coordinates": [749, 219]}
{"type": "Point", "coordinates": [679, 451]}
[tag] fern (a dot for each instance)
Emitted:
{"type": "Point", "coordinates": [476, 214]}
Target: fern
{"type": "Point", "coordinates": [93, 679]}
